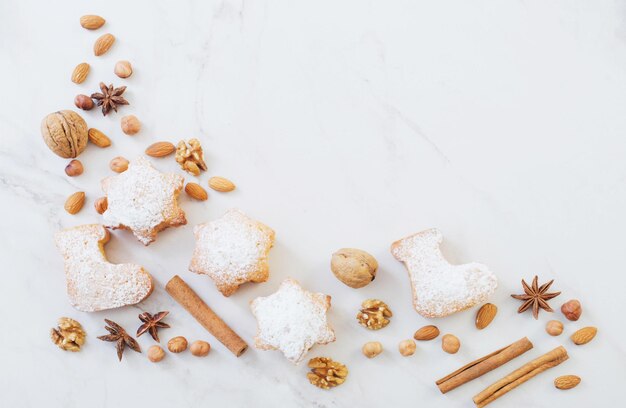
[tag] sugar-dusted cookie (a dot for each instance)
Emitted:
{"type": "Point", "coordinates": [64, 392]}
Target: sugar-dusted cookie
{"type": "Point", "coordinates": [232, 250]}
{"type": "Point", "coordinates": [93, 283]}
{"type": "Point", "coordinates": [292, 320]}
{"type": "Point", "coordinates": [440, 288]}
{"type": "Point", "coordinates": [143, 200]}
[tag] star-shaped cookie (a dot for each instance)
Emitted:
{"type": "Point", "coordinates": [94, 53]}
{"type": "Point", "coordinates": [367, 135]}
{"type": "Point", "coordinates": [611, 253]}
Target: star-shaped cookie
{"type": "Point", "coordinates": [292, 320]}
{"type": "Point", "coordinates": [143, 200]}
{"type": "Point", "coordinates": [232, 250]}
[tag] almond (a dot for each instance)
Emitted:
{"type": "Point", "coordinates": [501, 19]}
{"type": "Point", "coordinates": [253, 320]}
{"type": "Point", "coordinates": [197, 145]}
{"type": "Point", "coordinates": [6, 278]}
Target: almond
{"type": "Point", "coordinates": [98, 138]}
{"type": "Point", "coordinates": [565, 382]}
{"type": "Point", "coordinates": [75, 202]}
{"type": "Point", "coordinates": [119, 164]}
{"type": "Point", "coordinates": [196, 191]}
{"type": "Point", "coordinates": [485, 315]}
{"type": "Point", "coordinates": [160, 149]}
{"type": "Point", "coordinates": [584, 335]}
{"type": "Point", "coordinates": [101, 205]}
{"type": "Point", "coordinates": [103, 43]}
{"type": "Point", "coordinates": [426, 333]}
{"type": "Point", "coordinates": [92, 22]}
{"type": "Point", "coordinates": [80, 73]}
{"type": "Point", "coordinates": [221, 184]}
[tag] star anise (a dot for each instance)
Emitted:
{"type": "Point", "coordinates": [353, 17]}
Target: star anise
{"type": "Point", "coordinates": [151, 323]}
{"type": "Point", "coordinates": [536, 296]}
{"type": "Point", "coordinates": [110, 98]}
{"type": "Point", "coordinates": [119, 335]}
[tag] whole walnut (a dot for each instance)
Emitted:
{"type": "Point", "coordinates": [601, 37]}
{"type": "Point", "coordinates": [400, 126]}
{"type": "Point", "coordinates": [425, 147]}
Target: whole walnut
{"type": "Point", "coordinates": [65, 133]}
{"type": "Point", "coordinates": [354, 267]}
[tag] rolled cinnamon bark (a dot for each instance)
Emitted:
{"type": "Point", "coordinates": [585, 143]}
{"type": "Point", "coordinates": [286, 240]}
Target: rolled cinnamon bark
{"type": "Point", "coordinates": [187, 298]}
{"type": "Point", "coordinates": [483, 365]}
{"type": "Point", "coordinates": [520, 376]}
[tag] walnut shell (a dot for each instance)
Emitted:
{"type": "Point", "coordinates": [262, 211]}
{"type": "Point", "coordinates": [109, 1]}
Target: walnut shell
{"type": "Point", "coordinates": [65, 133]}
{"type": "Point", "coordinates": [354, 267]}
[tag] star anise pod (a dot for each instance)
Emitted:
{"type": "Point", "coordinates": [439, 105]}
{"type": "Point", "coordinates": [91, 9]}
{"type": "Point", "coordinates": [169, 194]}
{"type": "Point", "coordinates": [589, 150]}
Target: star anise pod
{"type": "Point", "coordinates": [119, 335]}
{"type": "Point", "coordinates": [536, 296]}
{"type": "Point", "coordinates": [109, 98]}
{"type": "Point", "coordinates": [151, 324]}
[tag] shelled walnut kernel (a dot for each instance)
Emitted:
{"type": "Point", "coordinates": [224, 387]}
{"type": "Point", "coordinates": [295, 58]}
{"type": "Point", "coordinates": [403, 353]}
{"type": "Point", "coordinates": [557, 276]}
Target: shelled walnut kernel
{"type": "Point", "coordinates": [326, 373]}
{"type": "Point", "coordinates": [374, 314]}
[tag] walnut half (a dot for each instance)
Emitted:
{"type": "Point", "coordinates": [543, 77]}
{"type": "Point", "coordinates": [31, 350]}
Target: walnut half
{"type": "Point", "coordinates": [190, 158]}
{"type": "Point", "coordinates": [69, 335]}
{"type": "Point", "coordinates": [374, 314]}
{"type": "Point", "coordinates": [326, 373]}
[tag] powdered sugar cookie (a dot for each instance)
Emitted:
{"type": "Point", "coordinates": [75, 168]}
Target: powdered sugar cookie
{"type": "Point", "coordinates": [292, 320]}
{"type": "Point", "coordinates": [143, 200]}
{"type": "Point", "coordinates": [439, 288]}
{"type": "Point", "coordinates": [93, 283]}
{"type": "Point", "coordinates": [232, 250]}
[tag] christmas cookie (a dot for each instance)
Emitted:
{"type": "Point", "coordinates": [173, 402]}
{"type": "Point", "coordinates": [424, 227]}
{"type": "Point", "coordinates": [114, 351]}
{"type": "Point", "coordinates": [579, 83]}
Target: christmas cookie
{"type": "Point", "coordinates": [440, 288]}
{"type": "Point", "coordinates": [232, 250]}
{"type": "Point", "coordinates": [292, 320]}
{"type": "Point", "coordinates": [93, 283]}
{"type": "Point", "coordinates": [143, 200]}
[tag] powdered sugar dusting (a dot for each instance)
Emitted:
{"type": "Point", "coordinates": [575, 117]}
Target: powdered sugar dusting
{"type": "Point", "coordinates": [232, 250]}
{"type": "Point", "coordinates": [92, 282]}
{"type": "Point", "coordinates": [440, 288]}
{"type": "Point", "coordinates": [143, 200]}
{"type": "Point", "coordinates": [292, 320]}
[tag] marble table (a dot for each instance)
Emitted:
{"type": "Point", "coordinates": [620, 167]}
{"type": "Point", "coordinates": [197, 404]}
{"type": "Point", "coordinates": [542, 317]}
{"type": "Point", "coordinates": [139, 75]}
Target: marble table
{"type": "Point", "coordinates": [343, 124]}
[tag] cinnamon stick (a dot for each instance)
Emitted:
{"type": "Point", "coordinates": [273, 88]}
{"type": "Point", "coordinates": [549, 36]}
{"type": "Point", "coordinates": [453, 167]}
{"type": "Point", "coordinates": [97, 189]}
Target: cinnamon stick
{"type": "Point", "coordinates": [187, 298]}
{"type": "Point", "coordinates": [483, 365]}
{"type": "Point", "coordinates": [520, 376]}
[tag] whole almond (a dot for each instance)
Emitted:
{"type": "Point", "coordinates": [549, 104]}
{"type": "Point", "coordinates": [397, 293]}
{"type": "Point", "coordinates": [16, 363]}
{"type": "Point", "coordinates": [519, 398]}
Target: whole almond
{"type": "Point", "coordinates": [101, 205]}
{"type": "Point", "coordinates": [74, 168]}
{"type": "Point", "coordinates": [221, 184]}
{"type": "Point", "coordinates": [83, 102]}
{"type": "Point", "coordinates": [196, 191]}
{"type": "Point", "coordinates": [485, 315]}
{"type": "Point", "coordinates": [450, 343]}
{"type": "Point", "coordinates": [75, 202]}
{"type": "Point", "coordinates": [565, 382]}
{"type": "Point", "coordinates": [426, 333]}
{"type": "Point", "coordinates": [119, 164]}
{"type": "Point", "coordinates": [123, 69]}
{"type": "Point", "coordinates": [80, 73]}
{"type": "Point", "coordinates": [584, 335]}
{"type": "Point", "coordinates": [92, 22]}
{"type": "Point", "coordinates": [102, 44]}
{"type": "Point", "coordinates": [98, 138]}
{"type": "Point", "coordinates": [160, 149]}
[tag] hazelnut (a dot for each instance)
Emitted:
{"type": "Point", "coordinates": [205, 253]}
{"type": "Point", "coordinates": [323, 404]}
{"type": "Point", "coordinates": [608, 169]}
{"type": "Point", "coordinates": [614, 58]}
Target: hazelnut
{"type": "Point", "coordinates": [572, 310]}
{"type": "Point", "coordinates": [74, 168]}
{"type": "Point", "coordinates": [407, 347]}
{"type": "Point", "coordinates": [123, 69]}
{"type": "Point", "coordinates": [554, 328]}
{"type": "Point", "coordinates": [353, 267]}
{"type": "Point", "coordinates": [101, 205]}
{"type": "Point", "coordinates": [156, 354]}
{"type": "Point", "coordinates": [372, 349]}
{"type": "Point", "coordinates": [450, 343]}
{"type": "Point", "coordinates": [130, 125]}
{"type": "Point", "coordinates": [119, 164]}
{"type": "Point", "coordinates": [83, 102]}
{"type": "Point", "coordinates": [200, 348]}
{"type": "Point", "coordinates": [177, 344]}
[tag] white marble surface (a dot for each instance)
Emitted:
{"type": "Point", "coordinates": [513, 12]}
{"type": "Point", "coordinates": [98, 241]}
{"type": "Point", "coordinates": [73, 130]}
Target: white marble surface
{"type": "Point", "coordinates": [349, 123]}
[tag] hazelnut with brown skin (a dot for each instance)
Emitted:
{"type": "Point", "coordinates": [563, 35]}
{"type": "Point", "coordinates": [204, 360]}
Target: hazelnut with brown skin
{"type": "Point", "coordinates": [156, 354]}
{"type": "Point", "coordinates": [74, 168]}
{"type": "Point", "coordinates": [572, 310]}
{"type": "Point", "coordinates": [200, 348]}
{"type": "Point", "coordinates": [83, 102]}
{"type": "Point", "coordinates": [407, 347]}
{"type": "Point", "coordinates": [372, 349]}
{"type": "Point", "coordinates": [177, 344]}
{"type": "Point", "coordinates": [554, 328]}
{"type": "Point", "coordinates": [354, 267]}
{"type": "Point", "coordinates": [123, 69]}
{"type": "Point", "coordinates": [130, 125]}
